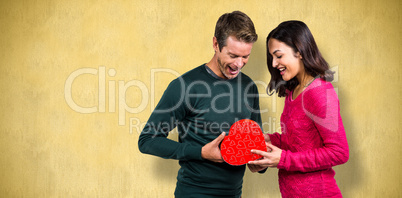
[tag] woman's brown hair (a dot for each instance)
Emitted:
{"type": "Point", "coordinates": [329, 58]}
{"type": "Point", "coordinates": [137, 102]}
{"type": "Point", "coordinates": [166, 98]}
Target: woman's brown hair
{"type": "Point", "coordinates": [296, 35]}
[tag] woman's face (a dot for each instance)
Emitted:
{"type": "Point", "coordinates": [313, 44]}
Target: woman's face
{"type": "Point", "coordinates": [284, 59]}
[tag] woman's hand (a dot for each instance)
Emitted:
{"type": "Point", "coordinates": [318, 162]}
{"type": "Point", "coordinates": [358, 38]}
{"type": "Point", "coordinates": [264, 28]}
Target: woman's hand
{"type": "Point", "coordinates": [270, 158]}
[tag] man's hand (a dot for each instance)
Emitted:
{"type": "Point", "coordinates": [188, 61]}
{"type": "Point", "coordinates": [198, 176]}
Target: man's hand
{"type": "Point", "coordinates": [256, 168]}
{"type": "Point", "coordinates": [267, 138]}
{"type": "Point", "coordinates": [211, 150]}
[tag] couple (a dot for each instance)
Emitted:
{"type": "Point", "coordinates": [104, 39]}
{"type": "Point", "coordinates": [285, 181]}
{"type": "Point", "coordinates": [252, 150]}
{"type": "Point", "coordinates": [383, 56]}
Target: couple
{"type": "Point", "coordinates": [207, 100]}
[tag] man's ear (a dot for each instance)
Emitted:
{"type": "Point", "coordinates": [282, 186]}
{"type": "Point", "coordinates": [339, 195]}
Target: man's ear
{"type": "Point", "coordinates": [215, 44]}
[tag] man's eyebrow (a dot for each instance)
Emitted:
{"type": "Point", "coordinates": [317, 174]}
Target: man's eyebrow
{"type": "Point", "coordinates": [237, 55]}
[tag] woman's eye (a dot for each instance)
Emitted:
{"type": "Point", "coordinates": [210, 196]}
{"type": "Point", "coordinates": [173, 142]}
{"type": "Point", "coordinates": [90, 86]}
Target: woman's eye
{"type": "Point", "coordinates": [279, 56]}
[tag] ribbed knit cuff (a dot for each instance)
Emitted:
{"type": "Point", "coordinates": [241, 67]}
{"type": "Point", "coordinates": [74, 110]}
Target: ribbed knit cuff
{"type": "Point", "coordinates": [193, 152]}
{"type": "Point", "coordinates": [275, 140]}
{"type": "Point", "coordinates": [282, 161]}
{"type": "Point", "coordinates": [263, 171]}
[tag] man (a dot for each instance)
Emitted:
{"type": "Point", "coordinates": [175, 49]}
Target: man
{"type": "Point", "coordinates": [203, 103]}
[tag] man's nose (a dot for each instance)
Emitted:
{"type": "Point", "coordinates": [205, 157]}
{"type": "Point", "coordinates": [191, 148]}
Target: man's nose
{"type": "Point", "coordinates": [239, 62]}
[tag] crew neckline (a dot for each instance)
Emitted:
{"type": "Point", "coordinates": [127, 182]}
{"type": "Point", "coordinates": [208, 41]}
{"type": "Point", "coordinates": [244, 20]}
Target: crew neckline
{"type": "Point", "coordinates": [212, 73]}
{"type": "Point", "coordinates": [215, 76]}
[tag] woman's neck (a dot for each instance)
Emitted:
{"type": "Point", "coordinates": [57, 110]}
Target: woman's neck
{"type": "Point", "coordinates": [304, 81]}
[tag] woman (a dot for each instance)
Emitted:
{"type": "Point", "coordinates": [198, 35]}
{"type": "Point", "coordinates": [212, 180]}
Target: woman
{"type": "Point", "coordinates": [313, 138]}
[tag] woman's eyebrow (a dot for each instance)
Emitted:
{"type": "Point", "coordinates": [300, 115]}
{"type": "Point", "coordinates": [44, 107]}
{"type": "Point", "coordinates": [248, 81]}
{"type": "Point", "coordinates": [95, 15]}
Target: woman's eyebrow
{"type": "Point", "coordinates": [275, 51]}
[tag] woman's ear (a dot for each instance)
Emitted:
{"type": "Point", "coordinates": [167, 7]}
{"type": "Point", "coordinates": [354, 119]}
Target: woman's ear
{"type": "Point", "coordinates": [298, 55]}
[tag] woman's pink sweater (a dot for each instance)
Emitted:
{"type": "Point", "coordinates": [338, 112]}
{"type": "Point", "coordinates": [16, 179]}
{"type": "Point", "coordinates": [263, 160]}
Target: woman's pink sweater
{"type": "Point", "coordinates": [313, 140]}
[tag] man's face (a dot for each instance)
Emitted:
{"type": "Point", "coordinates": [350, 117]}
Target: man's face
{"type": "Point", "coordinates": [233, 57]}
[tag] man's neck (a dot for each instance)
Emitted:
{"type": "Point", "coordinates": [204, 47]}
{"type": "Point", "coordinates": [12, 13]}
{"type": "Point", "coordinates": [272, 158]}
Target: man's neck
{"type": "Point", "coordinates": [213, 65]}
{"type": "Point", "coordinates": [212, 73]}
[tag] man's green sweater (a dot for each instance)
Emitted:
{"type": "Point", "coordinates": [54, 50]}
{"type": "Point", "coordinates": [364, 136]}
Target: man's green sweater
{"type": "Point", "coordinates": [201, 107]}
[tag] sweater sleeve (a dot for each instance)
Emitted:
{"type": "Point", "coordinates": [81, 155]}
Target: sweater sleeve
{"type": "Point", "coordinates": [275, 139]}
{"type": "Point", "coordinates": [170, 111]}
{"type": "Point", "coordinates": [322, 106]}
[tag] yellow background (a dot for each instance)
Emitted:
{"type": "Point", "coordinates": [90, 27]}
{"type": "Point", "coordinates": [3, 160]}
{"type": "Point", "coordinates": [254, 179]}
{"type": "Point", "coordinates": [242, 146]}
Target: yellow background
{"type": "Point", "coordinates": [50, 150]}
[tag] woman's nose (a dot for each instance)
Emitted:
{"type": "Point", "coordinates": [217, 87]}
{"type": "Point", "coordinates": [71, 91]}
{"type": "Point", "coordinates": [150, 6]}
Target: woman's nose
{"type": "Point", "coordinates": [274, 63]}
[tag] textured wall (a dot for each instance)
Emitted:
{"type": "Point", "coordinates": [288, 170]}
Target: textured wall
{"type": "Point", "coordinates": [79, 78]}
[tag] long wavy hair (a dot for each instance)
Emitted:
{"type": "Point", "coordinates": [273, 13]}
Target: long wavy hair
{"type": "Point", "coordinates": [297, 36]}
